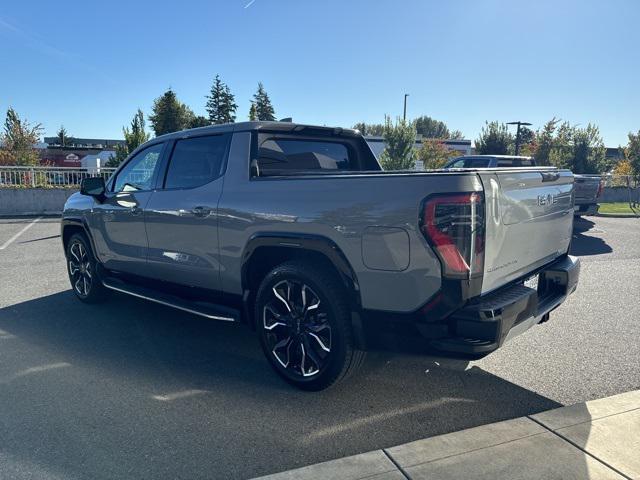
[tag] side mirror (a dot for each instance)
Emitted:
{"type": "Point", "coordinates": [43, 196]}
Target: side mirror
{"type": "Point", "coordinates": [93, 186]}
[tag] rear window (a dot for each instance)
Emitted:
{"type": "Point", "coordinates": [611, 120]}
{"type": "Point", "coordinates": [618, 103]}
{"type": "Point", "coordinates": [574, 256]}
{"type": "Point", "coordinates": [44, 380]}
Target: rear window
{"type": "Point", "coordinates": [476, 162]}
{"type": "Point", "coordinates": [283, 156]}
{"type": "Point", "coordinates": [196, 161]}
{"type": "Point", "coordinates": [515, 162]}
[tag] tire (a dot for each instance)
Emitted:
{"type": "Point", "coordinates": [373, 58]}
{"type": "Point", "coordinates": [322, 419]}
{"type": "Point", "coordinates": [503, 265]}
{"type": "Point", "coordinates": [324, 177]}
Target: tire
{"type": "Point", "coordinates": [320, 351]}
{"type": "Point", "coordinates": [82, 268]}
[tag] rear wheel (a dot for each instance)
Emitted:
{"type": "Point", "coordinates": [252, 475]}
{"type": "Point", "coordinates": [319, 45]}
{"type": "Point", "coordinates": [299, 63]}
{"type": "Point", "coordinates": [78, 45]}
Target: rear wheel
{"type": "Point", "coordinates": [82, 270]}
{"type": "Point", "coordinates": [304, 323]}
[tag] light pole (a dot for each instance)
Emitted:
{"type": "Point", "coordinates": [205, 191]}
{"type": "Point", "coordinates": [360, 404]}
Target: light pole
{"type": "Point", "coordinates": [404, 115]}
{"type": "Point", "coordinates": [518, 123]}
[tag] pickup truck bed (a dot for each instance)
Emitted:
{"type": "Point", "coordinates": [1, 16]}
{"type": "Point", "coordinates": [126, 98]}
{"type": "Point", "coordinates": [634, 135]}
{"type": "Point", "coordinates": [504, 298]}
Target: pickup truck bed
{"type": "Point", "coordinates": [299, 233]}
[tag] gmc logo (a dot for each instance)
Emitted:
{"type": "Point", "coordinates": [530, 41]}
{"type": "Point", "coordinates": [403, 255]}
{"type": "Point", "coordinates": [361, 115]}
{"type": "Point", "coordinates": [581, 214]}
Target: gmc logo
{"type": "Point", "coordinates": [549, 199]}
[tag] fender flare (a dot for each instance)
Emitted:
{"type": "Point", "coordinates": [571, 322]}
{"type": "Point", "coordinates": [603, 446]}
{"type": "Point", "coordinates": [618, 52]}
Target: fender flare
{"type": "Point", "coordinates": [302, 241]}
{"type": "Point", "coordinates": [314, 243]}
{"type": "Point", "coordinates": [77, 222]}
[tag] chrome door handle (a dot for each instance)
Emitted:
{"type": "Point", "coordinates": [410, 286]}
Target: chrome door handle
{"type": "Point", "coordinates": [201, 211]}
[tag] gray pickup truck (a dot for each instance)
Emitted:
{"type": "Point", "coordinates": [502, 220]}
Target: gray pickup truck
{"type": "Point", "coordinates": [296, 231]}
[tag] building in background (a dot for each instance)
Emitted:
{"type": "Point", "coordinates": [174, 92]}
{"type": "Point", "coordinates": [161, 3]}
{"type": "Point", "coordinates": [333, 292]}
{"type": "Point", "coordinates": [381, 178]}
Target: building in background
{"type": "Point", "coordinates": [614, 155]}
{"type": "Point", "coordinates": [54, 154]}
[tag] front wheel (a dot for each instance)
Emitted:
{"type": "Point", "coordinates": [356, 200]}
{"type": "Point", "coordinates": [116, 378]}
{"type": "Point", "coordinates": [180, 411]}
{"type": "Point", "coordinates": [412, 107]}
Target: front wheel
{"type": "Point", "coordinates": [304, 323]}
{"type": "Point", "coordinates": [82, 270]}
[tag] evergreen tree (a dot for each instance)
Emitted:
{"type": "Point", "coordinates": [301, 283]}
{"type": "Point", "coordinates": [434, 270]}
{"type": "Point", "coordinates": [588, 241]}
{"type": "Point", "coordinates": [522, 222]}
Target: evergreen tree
{"type": "Point", "coordinates": [221, 104]}
{"type": "Point", "coordinates": [199, 121]}
{"type": "Point", "coordinates": [264, 109]}
{"type": "Point", "coordinates": [64, 138]}
{"type": "Point", "coordinates": [253, 114]}
{"type": "Point", "coordinates": [170, 114]}
{"type": "Point", "coordinates": [133, 138]}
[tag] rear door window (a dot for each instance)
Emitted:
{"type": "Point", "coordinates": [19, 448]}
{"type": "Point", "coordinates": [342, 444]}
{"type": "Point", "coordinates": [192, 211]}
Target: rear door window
{"type": "Point", "coordinates": [285, 156]}
{"type": "Point", "coordinates": [196, 161]}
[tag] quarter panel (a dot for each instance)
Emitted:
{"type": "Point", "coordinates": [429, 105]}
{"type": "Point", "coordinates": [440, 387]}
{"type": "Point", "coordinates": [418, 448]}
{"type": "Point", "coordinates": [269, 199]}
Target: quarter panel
{"type": "Point", "coordinates": [339, 208]}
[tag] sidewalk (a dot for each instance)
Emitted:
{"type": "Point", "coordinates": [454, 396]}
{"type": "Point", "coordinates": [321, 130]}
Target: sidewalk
{"type": "Point", "coordinates": [599, 439]}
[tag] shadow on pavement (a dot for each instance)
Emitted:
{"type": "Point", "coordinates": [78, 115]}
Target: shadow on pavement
{"type": "Point", "coordinates": [151, 392]}
{"type": "Point", "coordinates": [584, 244]}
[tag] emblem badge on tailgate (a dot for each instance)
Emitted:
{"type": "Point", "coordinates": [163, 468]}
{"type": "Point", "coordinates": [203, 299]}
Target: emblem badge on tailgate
{"type": "Point", "coordinates": [549, 199]}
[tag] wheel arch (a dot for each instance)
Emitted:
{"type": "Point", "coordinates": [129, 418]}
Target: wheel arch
{"type": "Point", "coordinates": [69, 226]}
{"type": "Point", "coordinates": [266, 250]}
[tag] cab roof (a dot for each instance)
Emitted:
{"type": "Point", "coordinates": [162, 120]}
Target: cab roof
{"type": "Point", "coordinates": [260, 125]}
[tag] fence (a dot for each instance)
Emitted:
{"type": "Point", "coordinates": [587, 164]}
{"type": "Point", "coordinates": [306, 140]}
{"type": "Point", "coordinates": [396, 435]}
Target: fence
{"type": "Point", "coordinates": [70, 177]}
{"type": "Point", "coordinates": [48, 177]}
{"type": "Point", "coordinates": [610, 180]}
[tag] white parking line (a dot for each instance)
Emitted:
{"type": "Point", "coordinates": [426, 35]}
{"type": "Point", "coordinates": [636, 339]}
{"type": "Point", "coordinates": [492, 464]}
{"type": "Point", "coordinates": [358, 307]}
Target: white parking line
{"type": "Point", "coordinates": [12, 239]}
{"type": "Point", "coordinates": [169, 397]}
{"type": "Point", "coordinates": [32, 370]}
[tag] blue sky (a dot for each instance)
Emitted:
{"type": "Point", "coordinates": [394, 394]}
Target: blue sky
{"type": "Point", "coordinates": [90, 65]}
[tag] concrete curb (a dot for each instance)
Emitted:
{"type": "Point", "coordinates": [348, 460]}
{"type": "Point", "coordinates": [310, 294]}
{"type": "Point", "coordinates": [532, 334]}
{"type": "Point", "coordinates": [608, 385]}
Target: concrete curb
{"type": "Point", "coordinates": [617, 215]}
{"type": "Point", "coordinates": [595, 439]}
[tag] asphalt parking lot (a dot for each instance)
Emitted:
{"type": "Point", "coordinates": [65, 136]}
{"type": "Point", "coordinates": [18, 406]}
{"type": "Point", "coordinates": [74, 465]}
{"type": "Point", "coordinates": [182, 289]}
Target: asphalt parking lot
{"type": "Point", "coordinates": [136, 390]}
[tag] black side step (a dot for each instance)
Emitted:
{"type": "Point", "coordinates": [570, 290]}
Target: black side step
{"type": "Point", "coordinates": [204, 309]}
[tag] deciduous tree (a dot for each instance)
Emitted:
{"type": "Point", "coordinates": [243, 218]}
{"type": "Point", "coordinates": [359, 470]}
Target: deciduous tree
{"type": "Point", "coordinates": [545, 141]}
{"type": "Point", "coordinates": [431, 128]}
{"type": "Point", "coordinates": [434, 153]}
{"type": "Point", "coordinates": [374, 129]}
{"type": "Point", "coordinates": [589, 152]}
{"type": "Point", "coordinates": [400, 140]}
{"type": "Point", "coordinates": [494, 139]}
{"type": "Point", "coordinates": [632, 153]}
{"type": "Point", "coordinates": [456, 135]}
{"type": "Point", "coordinates": [564, 145]}
{"type": "Point", "coordinates": [253, 114]}
{"type": "Point", "coordinates": [133, 138]}
{"type": "Point", "coordinates": [170, 114]}
{"type": "Point", "coordinates": [18, 139]}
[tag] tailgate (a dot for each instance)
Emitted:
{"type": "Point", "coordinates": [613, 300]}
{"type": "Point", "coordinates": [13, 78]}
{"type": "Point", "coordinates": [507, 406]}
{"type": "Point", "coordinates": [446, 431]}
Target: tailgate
{"type": "Point", "coordinates": [529, 221]}
{"type": "Point", "coordinates": [586, 189]}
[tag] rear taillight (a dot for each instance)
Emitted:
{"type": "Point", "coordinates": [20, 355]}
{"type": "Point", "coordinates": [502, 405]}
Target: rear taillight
{"type": "Point", "coordinates": [454, 225]}
{"type": "Point", "coordinates": [600, 188]}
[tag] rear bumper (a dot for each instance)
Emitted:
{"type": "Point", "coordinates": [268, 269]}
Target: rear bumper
{"type": "Point", "coordinates": [586, 209]}
{"type": "Point", "coordinates": [482, 326]}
